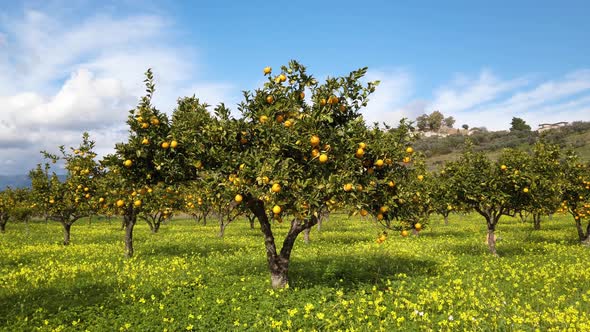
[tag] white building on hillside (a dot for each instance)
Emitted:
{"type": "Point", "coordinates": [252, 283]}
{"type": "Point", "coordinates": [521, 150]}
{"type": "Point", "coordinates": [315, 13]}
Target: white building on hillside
{"type": "Point", "coordinates": [547, 126]}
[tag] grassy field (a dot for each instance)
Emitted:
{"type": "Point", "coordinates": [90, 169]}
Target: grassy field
{"type": "Point", "coordinates": [186, 278]}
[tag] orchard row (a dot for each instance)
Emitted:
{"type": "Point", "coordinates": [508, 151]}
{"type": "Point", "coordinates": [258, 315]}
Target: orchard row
{"type": "Point", "coordinates": [298, 150]}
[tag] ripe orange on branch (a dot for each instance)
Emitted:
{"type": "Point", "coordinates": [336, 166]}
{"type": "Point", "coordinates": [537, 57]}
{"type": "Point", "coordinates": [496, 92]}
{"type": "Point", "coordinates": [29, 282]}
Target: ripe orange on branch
{"type": "Point", "coordinates": [314, 140]}
{"type": "Point", "coordinates": [276, 209]}
{"type": "Point", "coordinates": [276, 188]}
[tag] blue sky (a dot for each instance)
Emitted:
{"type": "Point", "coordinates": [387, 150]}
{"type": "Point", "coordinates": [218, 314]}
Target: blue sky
{"type": "Point", "coordinates": [69, 66]}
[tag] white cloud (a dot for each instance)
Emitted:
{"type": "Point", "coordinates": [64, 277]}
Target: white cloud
{"type": "Point", "coordinates": [489, 101]}
{"type": "Point", "coordinates": [62, 76]}
{"type": "Point", "coordinates": [388, 102]}
{"type": "Point", "coordinates": [465, 93]}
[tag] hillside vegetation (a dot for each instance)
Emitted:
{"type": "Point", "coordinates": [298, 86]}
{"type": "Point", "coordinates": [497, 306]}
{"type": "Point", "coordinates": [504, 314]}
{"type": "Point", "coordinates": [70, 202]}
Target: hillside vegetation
{"type": "Point", "coordinates": [438, 150]}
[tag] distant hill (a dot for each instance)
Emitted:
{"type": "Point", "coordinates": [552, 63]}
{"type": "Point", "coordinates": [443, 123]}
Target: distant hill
{"type": "Point", "coordinates": [14, 181]}
{"type": "Point", "coordinates": [438, 150]}
{"type": "Point", "coordinates": [18, 181]}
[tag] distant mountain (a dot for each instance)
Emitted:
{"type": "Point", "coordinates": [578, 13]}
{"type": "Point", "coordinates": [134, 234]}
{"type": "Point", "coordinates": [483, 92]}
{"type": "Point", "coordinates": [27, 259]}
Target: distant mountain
{"type": "Point", "coordinates": [14, 181]}
{"type": "Point", "coordinates": [18, 181]}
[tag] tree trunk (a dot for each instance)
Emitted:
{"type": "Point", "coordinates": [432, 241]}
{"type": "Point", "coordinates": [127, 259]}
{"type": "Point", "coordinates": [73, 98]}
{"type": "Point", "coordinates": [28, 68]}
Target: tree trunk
{"type": "Point", "coordinates": [550, 216]}
{"type": "Point", "coordinates": [581, 234]}
{"type": "Point", "coordinates": [67, 227]}
{"type": "Point", "coordinates": [586, 240]}
{"type": "Point", "coordinates": [129, 220]}
{"type": "Point", "coordinates": [222, 226]}
{"type": "Point", "coordinates": [491, 238]}
{"type": "Point", "coordinates": [306, 234]}
{"type": "Point", "coordinates": [251, 219]}
{"type": "Point", "coordinates": [2, 226]}
{"type": "Point", "coordinates": [156, 227]}
{"type": "Point", "coordinates": [537, 221]}
{"type": "Point", "coordinates": [446, 219]}
{"type": "Point", "coordinates": [278, 263]}
{"type": "Point", "coordinates": [319, 229]}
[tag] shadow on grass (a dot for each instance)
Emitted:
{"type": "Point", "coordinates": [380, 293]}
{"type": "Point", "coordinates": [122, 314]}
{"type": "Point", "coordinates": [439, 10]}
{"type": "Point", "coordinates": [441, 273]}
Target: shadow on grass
{"type": "Point", "coordinates": [355, 270]}
{"type": "Point", "coordinates": [74, 298]}
{"type": "Point", "coordinates": [170, 249]}
{"type": "Point", "coordinates": [445, 233]}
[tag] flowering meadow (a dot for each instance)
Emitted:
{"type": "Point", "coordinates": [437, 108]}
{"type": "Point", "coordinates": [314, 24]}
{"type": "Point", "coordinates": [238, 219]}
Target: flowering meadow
{"type": "Point", "coordinates": [186, 278]}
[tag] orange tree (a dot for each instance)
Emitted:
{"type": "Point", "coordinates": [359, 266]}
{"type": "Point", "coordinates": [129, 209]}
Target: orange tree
{"type": "Point", "coordinates": [546, 178]}
{"type": "Point", "coordinates": [576, 193]}
{"type": "Point", "coordinates": [159, 204]}
{"type": "Point", "coordinates": [72, 199]}
{"type": "Point", "coordinates": [7, 203]}
{"type": "Point", "coordinates": [211, 150]}
{"type": "Point", "coordinates": [389, 180]}
{"type": "Point", "coordinates": [40, 183]}
{"type": "Point", "coordinates": [196, 203]}
{"type": "Point", "coordinates": [24, 207]}
{"type": "Point", "coordinates": [151, 156]}
{"type": "Point", "coordinates": [288, 157]}
{"type": "Point", "coordinates": [492, 189]}
{"type": "Point", "coordinates": [444, 197]}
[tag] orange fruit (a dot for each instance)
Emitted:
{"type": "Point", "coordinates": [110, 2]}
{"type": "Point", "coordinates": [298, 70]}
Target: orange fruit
{"type": "Point", "coordinates": [276, 209]}
{"type": "Point", "coordinates": [276, 188]}
{"type": "Point", "coordinates": [360, 152]}
{"type": "Point", "coordinates": [238, 198]}
{"type": "Point", "coordinates": [314, 140]}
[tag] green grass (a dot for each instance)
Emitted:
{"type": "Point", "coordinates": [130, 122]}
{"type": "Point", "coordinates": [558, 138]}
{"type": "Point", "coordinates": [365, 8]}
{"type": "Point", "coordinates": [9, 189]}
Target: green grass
{"type": "Point", "coordinates": [187, 278]}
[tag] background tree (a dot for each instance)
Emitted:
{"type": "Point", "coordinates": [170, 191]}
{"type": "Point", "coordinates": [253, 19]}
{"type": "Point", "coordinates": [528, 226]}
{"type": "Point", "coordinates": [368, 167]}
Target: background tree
{"type": "Point", "coordinates": [7, 203]}
{"type": "Point", "coordinates": [519, 124]}
{"type": "Point", "coordinates": [444, 197]}
{"type": "Point", "coordinates": [465, 126]}
{"type": "Point", "coordinates": [546, 182]}
{"type": "Point", "coordinates": [150, 156]}
{"type": "Point", "coordinates": [435, 120]}
{"type": "Point", "coordinates": [158, 204]}
{"type": "Point", "coordinates": [72, 199]}
{"type": "Point", "coordinates": [422, 122]}
{"type": "Point", "coordinates": [576, 193]}
{"type": "Point", "coordinates": [449, 121]}
{"type": "Point", "coordinates": [492, 189]}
